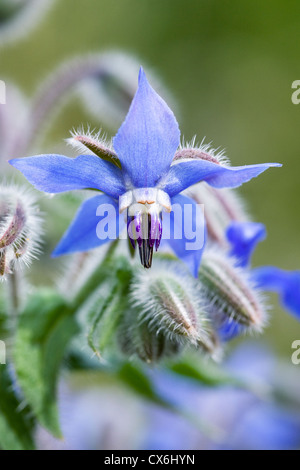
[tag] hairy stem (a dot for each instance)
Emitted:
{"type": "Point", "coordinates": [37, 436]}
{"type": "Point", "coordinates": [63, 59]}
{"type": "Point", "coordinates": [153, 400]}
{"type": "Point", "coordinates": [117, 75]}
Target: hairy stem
{"type": "Point", "coordinates": [60, 83]}
{"type": "Point", "coordinates": [13, 282]}
{"type": "Point", "coordinates": [97, 276]}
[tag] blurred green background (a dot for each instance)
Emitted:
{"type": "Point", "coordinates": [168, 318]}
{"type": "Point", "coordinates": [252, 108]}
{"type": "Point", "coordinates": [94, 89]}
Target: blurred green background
{"type": "Point", "coordinates": [228, 64]}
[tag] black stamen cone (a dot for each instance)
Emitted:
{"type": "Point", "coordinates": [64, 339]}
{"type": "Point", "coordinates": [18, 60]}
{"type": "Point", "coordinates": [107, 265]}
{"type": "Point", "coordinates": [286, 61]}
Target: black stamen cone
{"type": "Point", "coordinates": [145, 248]}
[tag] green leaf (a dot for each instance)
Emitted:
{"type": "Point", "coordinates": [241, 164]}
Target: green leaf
{"type": "Point", "coordinates": [4, 330]}
{"type": "Point", "coordinates": [16, 426]}
{"type": "Point", "coordinates": [104, 270]}
{"type": "Point", "coordinates": [106, 315]}
{"type": "Point", "coordinates": [138, 381]}
{"type": "Point", "coordinates": [205, 372]}
{"type": "Point", "coordinates": [101, 313]}
{"type": "Point", "coordinates": [134, 377]}
{"type": "Point", "coordinates": [44, 331]}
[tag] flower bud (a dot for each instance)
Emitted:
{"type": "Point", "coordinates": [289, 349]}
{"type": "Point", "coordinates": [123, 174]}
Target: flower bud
{"type": "Point", "coordinates": [232, 299]}
{"type": "Point", "coordinates": [169, 304]}
{"type": "Point", "coordinates": [20, 228]}
{"type": "Point", "coordinates": [192, 151]}
{"type": "Point", "coordinates": [137, 339]}
{"type": "Point", "coordinates": [87, 142]}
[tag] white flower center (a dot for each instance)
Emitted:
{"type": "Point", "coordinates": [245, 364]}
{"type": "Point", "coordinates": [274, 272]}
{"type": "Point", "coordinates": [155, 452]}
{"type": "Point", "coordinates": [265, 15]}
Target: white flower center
{"type": "Point", "coordinates": [144, 220]}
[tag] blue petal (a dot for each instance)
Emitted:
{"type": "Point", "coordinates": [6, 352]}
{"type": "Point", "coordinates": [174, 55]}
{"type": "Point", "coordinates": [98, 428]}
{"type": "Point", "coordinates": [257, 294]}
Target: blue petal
{"type": "Point", "coordinates": [229, 330]}
{"type": "Point", "coordinates": [285, 283]}
{"type": "Point", "coordinates": [244, 236]}
{"type": "Point", "coordinates": [185, 174]}
{"type": "Point", "coordinates": [57, 174]}
{"type": "Point", "coordinates": [187, 231]}
{"type": "Point", "coordinates": [268, 426]}
{"type": "Point", "coordinates": [148, 138]}
{"type": "Point", "coordinates": [84, 232]}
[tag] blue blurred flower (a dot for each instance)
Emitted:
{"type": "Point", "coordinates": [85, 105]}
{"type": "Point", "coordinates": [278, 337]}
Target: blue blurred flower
{"type": "Point", "coordinates": [244, 420]}
{"type": "Point", "coordinates": [244, 237]}
{"type": "Point", "coordinates": [148, 182]}
{"type": "Point", "coordinates": [285, 283]}
{"type": "Point", "coordinates": [107, 417]}
{"type": "Point", "coordinates": [96, 417]}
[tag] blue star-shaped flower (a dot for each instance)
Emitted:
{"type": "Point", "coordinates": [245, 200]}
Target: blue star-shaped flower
{"type": "Point", "coordinates": [244, 236]}
{"type": "Point", "coordinates": [147, 184]}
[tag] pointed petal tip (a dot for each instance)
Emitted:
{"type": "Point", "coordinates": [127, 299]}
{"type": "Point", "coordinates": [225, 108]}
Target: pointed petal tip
{"type": "Point", "coordinates": [279, 165]}
{"type": "Point", "coordinates": [53, 173]}
{"type": "Point", "coordinates": [142, 76]}
{"type": "Point", "coordinates": [141, 72]}
{"type": "Point", "coordinates": [55, 253]}
{"type": "Point", "coordinates": [186, 173]}
{"type": "Point", "coordinates": [244, 237]}
{"type": "Point", "coordinates": [148, 138]}
{"type": "Point", "coordinates": [59, 250]}
{"type": "Point", "coordinates": [143, 81]}
{"type": "Point", "coordinates": [13, 161]}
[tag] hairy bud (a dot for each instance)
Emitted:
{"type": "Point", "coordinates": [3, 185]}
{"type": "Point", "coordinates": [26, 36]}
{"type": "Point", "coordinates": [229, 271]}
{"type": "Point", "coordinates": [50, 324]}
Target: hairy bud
{"type": "Point", "coordinates": [137, 339]}
{"type": "Point", "coordinates": [192, 151]}
{"type": "Point", "coordinates": [169, 304]}
{"type": "Point", "coordinates": [87, 142]}
{"type": "Point", "coordinates": [231, 297]}
{"type": "Point", "coordinates": [20, 227]}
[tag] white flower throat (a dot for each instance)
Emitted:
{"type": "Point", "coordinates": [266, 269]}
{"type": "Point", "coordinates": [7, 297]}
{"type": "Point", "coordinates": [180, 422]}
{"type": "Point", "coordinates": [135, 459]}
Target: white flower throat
{"type": "Point", "coordinates": [144, 219]}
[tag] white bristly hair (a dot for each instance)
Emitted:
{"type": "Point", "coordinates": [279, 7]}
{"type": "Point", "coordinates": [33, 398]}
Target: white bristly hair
{"type": "Point", "coordinates": [230, 292]}
{"type": "Point", "coordinates": [20, 228]}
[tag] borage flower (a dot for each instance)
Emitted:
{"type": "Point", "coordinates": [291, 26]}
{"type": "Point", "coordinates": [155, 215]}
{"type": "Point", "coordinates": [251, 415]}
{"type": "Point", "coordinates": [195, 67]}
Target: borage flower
{"type": "Point", "coordinates": [244, 236]}
{"type": "Point", "coordinates": [142, 175]}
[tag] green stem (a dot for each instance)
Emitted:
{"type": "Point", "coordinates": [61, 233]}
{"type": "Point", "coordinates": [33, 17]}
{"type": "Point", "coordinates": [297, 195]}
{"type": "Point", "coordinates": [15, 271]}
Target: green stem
{"type": "Point", "coordinates": [14, 294]}
{"type": "Point", "coordinates": [97, 276]}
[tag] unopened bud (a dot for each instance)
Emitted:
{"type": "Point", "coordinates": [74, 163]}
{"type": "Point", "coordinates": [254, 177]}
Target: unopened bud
{"type": "Point", "coordinates": [192, 151]}
{"type": "Point", "coordinates": [169, 302]}
{"type": "Point", "coordinates": [137, 339]}
{"type": "Point", "coordinates": [232, 300]}
{"type": "Point", "coordinates": [19, 229]}
{"type": "Point", "coordinates": [95, 143]}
